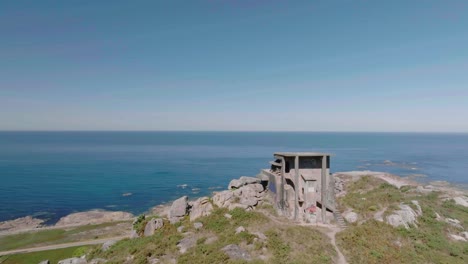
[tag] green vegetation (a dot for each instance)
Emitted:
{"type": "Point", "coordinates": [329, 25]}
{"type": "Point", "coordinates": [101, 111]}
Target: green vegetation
{"type": "Point", "coordinates": [139, 224]}
{"type": "Point", "coordinates": [369, 194]}
{"type": "Point", "coordinates": [290, 243]}
{"type": "Point", "coordinates": [378, 242]}
{"type": "Point", "coordinates": [161, 243]}
{"type": "Point", "coordinates": [53, 255]}
{"type": "Point", "coordinates": [52, 236]}
{"type": "Point", "coordinates": [299, 244]}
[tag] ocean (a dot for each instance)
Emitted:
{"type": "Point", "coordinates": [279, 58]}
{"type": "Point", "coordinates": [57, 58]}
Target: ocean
{"type": "Point", "coordinates": [51, 174]}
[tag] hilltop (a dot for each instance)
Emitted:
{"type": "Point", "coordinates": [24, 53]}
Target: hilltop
{"type": "Point", "coordinates": [389, 220]}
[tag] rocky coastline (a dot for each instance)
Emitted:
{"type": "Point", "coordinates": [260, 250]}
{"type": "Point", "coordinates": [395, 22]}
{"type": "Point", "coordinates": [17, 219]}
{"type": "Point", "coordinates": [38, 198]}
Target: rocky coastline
{"type": "Point", "coordinates": [352, 190]}
{"type": "Point", "coordinates": [223, 199]}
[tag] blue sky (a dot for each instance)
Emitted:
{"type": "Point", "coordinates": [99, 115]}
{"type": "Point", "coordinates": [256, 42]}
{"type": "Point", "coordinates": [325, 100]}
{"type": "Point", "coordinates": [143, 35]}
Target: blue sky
{"type": "Point", "coordinates": [234, 65]}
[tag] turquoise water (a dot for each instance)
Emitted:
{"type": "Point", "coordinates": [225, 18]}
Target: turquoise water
{"type": "Point", "coordinates": [51, 174]}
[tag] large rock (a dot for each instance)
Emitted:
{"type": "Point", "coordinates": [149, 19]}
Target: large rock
{"type": "Point", "coordinates": [93, 217]}
{"type": "Point", "coordinates": [223, 199]}
{"type": "Point", "coordinates": [179, 209]}
{"type": "Point", "coordinates": [406, 217]}
{"type": "Point", "coordinates": [153, 225]}
{"type": "Point", "coordinates": [73, 261]}
{"type": "Point", "coordinates": [186, 244]}
{"type": "Point", "coordinates": [461, 200]}
{"type": "Point", "coordinates": [244, 180]}
{"type": "Point", "coordinates": [235, 252]}
{"type": "Point", "coordinates": [201, 207]}
{"type": "Point", "coordinates": [351, 217]}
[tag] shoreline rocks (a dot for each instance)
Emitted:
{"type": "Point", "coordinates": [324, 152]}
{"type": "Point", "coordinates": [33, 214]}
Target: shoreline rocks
{"type": "Point", "coordinates": [93, 217]}
{"type": "Point", "coordinates": [23, 223]}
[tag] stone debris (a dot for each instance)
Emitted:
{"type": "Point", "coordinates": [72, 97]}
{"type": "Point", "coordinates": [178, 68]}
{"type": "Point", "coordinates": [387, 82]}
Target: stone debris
{"type": "Point", "coordinates": [45, 262]}
{"type": "Point", "coordinates": [153, 225]}
{"type": "Point", "coordinates": [228, 216]}
{"type": "Point", "coordinates": [200, 207]}
{"type": "Point", "coordinates": [236, 252]}
{"type": "Point", "coordinates": [180, 229]}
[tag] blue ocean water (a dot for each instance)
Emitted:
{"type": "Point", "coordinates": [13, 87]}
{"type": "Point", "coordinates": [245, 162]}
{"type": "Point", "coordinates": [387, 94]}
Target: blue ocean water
{"type": "Point", "coordinates": [51, 174]}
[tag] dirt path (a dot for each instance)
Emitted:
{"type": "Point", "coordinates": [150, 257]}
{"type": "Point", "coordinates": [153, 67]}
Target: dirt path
{"type": "Point", "coordinates": [59, 246]}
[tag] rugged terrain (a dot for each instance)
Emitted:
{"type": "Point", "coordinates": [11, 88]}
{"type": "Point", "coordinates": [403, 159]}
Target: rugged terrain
{"type": "Point", "coordinates": [389, 220]}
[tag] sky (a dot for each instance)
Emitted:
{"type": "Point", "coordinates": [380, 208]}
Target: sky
{"type": "Point", "coordinates": [236, 65]}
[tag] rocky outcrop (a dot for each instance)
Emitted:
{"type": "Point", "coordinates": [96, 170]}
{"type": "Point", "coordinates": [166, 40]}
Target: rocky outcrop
{"type": "Point", "coordinates": [22, 223]}
{"type": "Point", "coordinates": [405, 216]}
{"type": "Point", "coordinates": [223, 199]}
{"type": "Point", "coordinates": [179, 209]}
{"type": "Point", "coordinates": [245, 193]}
{"type": "Point", "coordinates": [153, 225]}
{"type": "Point", "coordinates": [244, 180]}
{"type": "Point", "coordinates": [461, 200]}
{"type": "Point", "coordinates": [201, 207]}
{"type": "Point", "coordinates": [93, 217]}
{"type": "Point", "coordinates": [236, 252]}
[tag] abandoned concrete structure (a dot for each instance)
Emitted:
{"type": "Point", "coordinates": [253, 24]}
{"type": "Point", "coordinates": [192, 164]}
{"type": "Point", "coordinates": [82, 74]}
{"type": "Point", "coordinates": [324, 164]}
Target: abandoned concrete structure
{"type": "Point", "coordinates": [302, 185]}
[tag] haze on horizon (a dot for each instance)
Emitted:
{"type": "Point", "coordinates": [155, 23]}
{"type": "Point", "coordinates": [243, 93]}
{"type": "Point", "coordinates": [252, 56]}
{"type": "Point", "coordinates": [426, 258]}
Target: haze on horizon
{"type": "Point", "coordinates": [234, 65]}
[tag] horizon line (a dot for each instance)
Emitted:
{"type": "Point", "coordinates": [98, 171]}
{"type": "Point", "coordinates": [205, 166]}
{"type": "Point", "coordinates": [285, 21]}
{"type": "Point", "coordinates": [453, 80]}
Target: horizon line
{"type": "Point", "coordinates": [243, 131]}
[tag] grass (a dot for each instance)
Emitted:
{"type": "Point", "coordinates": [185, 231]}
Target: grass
{"type": "Point", "coordinates": [284, 244]}
{"type": "Point", "coordinates": [48, 237]}
{"type": "Point", "coordinates": [378, 242]}
{"type": "Point", "coordinates": [52, 255]}
{"type": "Point", "coordinates": [163, 242]}
{"type": "Point", "coordinates": [369, 194]}
{"type": "Point", "coordinates": [299, 244]}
